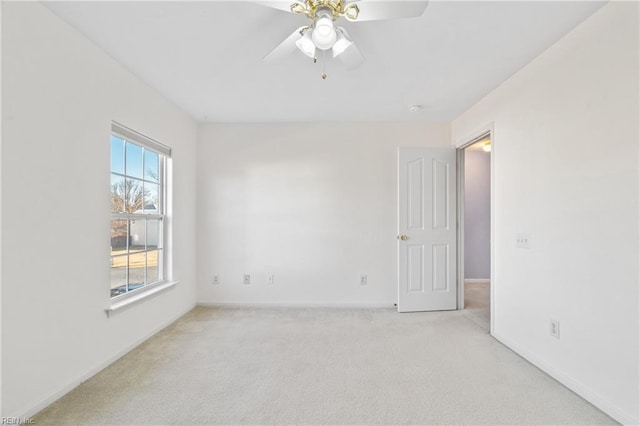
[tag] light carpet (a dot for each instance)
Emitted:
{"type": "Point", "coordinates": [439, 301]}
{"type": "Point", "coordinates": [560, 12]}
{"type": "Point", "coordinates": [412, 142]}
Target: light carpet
{"type": "Point", "coordinates": [321, 366]}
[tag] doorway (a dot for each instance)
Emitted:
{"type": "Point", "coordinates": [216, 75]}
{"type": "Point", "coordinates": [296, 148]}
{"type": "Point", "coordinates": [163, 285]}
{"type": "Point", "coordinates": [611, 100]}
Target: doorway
{"type": "Point", "coordinates": [474, 239]}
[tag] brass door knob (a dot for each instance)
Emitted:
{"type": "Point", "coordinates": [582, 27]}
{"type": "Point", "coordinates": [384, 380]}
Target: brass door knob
{"type": "Point", "coordinates": [403, 237]}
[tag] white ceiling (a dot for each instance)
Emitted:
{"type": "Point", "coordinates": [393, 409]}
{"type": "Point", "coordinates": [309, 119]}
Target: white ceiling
{"type": "Point", "coordinates": [206, 56]}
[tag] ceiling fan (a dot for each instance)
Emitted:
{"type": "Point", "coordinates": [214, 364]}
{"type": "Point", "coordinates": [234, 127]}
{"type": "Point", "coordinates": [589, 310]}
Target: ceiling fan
{"type": "Point", "coordinates": [322, 35]}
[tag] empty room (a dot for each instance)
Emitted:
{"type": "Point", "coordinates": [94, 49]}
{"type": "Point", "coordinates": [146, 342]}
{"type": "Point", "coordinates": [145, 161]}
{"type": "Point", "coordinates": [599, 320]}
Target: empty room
{"type": "Point", "coordinates": [262, 212]}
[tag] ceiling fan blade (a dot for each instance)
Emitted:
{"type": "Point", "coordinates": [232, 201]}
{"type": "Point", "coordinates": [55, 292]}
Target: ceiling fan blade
{"type": "Point", "coordinates": [280, 5]}
{"type": "Point", "coordinates": [351, 57]}
{"type": "Point", "coordinates": [286, 47]}
{"type": "Point", "coordinates": [374, 10]}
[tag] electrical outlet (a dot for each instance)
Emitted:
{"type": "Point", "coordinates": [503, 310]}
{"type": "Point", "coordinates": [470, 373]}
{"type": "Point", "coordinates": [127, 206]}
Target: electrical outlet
{"type": "Point", "coordinates": [363, 280]}
{"type": "Point", "coordinates": [246, 279]}
{"type": "Point", "coordinates": [523, 240]}
{"type": "Point", "coordinates": [216, 279]}
{"type": "Point", "coordinates": [270, 279]}
{"type": "Point", "coordinates": [554, 328]}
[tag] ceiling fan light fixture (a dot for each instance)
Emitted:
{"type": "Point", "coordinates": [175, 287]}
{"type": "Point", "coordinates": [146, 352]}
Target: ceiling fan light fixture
{"type": "Point", "coordinates": [342, 43]}
{"type": "Point", "coordinates": [306, 44]}
{"type": "Point", "coordinates": [324, 34]}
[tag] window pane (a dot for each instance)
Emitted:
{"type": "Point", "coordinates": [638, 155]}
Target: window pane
{"type": "Point", "coordinates": [137, 230]}
{"type": "Point", "coordinates": [133, 166]}
{"type": "Point", "coordinates": [136, 188]}
{"type": "Point", "coordinates": [152, 234]}
{"type": "Point", "coordinates": [118, 237]}
{"type": "Point", "coordinates": [153, 267]}
{"type": "Point", "coordinates": [133, 195]}
{"type": "Point", "coordinates": [137, 266]}
{"type": "Point", "coordinates": [118, 275]}
{"type": "Point", "coordinates": [151, 198]}
{"type": "Point", "coordinates": [151, 165]}
{"type": "Point", "coordinates": [117, 154]}
{"type": "Point", "coordinates": [117, 194]}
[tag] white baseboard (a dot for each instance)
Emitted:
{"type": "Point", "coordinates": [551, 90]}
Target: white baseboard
{"type": "Point", "coordinates": [576, 386]}
{"type": "Point", "coordinates": [477, 280]}
{"type": "Point", "coordinates": [299, 304]}
{"type": "Point", "coordinates": [72, 384]}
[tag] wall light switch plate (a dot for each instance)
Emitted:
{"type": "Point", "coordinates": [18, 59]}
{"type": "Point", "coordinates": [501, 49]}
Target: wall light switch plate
{"type": "Point", "coordinates": [246, 279]}
{"type": "Point", "coordinates": [554, 328]}
{"type": "Point", "coordinates": [523, 241]}
{"type": "Point", "coordinates": [216, 279]}
{"type": "Point", "coordinates": [270, 279]}
{"type": "Point", "coordinates": [363, 280]}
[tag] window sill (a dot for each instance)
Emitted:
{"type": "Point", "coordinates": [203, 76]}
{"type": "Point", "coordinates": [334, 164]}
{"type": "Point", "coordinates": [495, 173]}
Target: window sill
{"type": "Point", "coordinates": [144, 294]}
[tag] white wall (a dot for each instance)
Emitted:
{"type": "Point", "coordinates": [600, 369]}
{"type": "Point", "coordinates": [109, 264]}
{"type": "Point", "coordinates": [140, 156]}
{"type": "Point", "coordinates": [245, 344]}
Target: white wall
{"type": "Point", "coordinates": [477, 215]}
{"type": "Point", "coordinates": [59, 95]}
{"type": "Point", "coordinates": [566, 172]}
{"type": "Point", "coordinates": [313, 204]}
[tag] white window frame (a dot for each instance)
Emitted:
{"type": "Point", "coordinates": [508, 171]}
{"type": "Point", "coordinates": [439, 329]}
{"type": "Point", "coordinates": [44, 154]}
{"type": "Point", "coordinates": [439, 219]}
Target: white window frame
{"type": "Point", "coordinates": [164, 152]}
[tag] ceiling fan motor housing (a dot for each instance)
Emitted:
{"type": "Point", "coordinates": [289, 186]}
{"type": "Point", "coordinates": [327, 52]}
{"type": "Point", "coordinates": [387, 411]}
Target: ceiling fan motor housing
{"type": "Point", "coordinates": [337, 8]}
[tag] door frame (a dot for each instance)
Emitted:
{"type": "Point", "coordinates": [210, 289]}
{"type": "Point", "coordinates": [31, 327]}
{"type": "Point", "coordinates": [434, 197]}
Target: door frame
{"type": "Point", "coordinates": [460, 147]}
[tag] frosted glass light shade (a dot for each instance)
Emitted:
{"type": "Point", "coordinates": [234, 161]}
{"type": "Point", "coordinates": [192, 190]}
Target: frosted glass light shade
{"type": "Point", "coordinates": [324, 34]}
{"type": "Point", "coordinates": [342, 43]}
{"type": "Point", "coordinates": [306, 45]}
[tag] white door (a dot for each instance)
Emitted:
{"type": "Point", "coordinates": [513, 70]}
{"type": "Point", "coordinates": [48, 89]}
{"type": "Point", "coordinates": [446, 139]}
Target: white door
{"type": "Point", "coordinates": [426, 229]}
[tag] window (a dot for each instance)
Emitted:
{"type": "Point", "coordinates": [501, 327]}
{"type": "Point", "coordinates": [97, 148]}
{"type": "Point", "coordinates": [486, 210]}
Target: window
{"type": "Point", "coordinates": [137, 211]}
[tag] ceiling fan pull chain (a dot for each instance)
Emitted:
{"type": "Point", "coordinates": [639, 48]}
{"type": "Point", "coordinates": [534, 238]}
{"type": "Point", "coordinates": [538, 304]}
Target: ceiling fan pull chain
{"type": "Point", "coordinates": [324, 63]}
